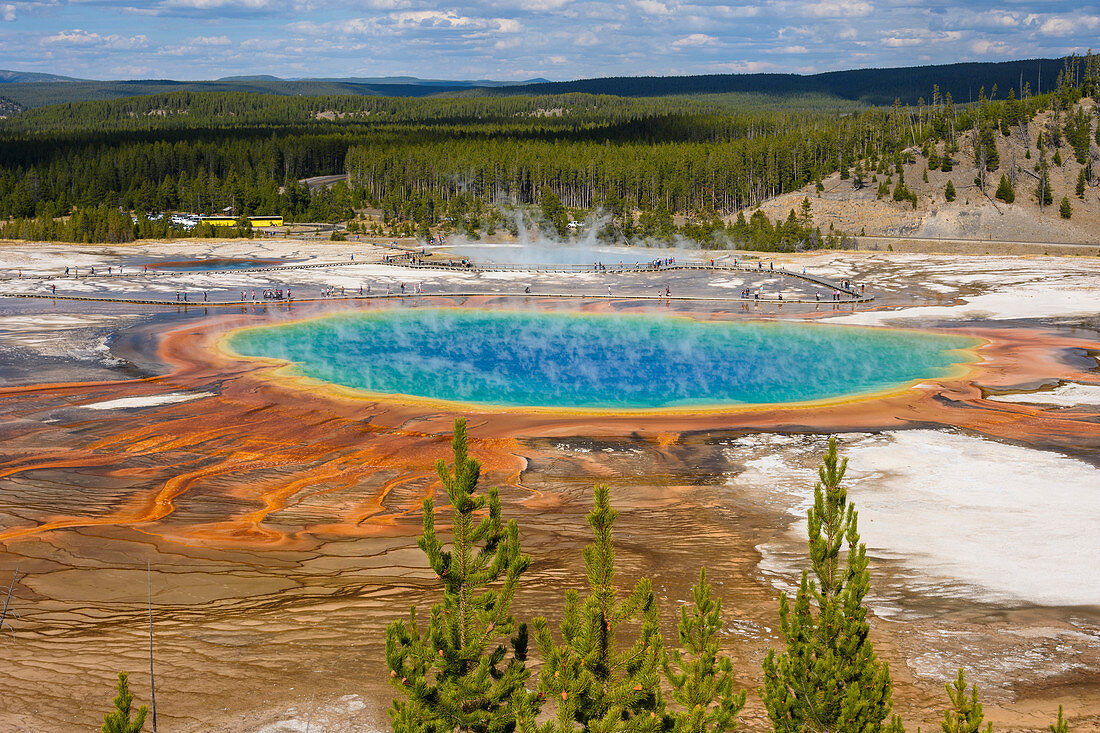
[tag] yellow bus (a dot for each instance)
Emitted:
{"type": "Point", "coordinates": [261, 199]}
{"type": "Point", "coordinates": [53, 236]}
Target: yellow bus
{"type": "Point", "coordinates": [232, 221]}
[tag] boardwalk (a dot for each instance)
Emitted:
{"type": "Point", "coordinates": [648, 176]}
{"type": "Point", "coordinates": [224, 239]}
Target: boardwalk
{"type": "Point", "coordinates": [847, 294]}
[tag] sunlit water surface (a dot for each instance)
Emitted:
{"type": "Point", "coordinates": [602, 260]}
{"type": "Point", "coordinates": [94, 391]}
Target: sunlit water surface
{"type": "Point", "coordinates": [573, 360]}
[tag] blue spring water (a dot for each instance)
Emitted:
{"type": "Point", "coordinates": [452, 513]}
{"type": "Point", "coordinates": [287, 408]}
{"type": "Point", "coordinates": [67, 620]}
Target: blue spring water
{"type": "Point", "coordinates": [575, 360]}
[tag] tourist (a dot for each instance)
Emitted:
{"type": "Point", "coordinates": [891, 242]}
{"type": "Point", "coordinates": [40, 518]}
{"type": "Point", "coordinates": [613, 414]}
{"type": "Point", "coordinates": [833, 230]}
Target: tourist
{"type": "Point", "coordinates": [204, 298]}
{"type": "Point", "coordinates": [609, 290]}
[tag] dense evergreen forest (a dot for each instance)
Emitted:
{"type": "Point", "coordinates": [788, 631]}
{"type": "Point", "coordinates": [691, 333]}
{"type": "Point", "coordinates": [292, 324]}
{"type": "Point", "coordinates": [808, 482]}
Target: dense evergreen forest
{"type": "Point", "coordinates": [80, 171]}
{"type": "Point", "coordinates": [870, 86]}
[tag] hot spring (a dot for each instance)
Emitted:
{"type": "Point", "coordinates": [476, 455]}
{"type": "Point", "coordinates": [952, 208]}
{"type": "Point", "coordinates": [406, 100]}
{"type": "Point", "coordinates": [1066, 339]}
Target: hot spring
{"type": "Point", "coordinates": [213, 264]}
{"type": "Point", "coordinates": [600, 362]}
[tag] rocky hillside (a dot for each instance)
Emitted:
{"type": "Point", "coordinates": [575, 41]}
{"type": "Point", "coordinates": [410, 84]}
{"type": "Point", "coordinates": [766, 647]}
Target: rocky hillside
{"type": "Point", "coordinates": [974, 214]}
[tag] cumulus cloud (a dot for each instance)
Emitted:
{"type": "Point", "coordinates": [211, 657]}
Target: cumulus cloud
{"type": "Point", "coordinates": [695, 39]}
{"type": "Point", "coordinates": [984, 47]}
{"type": "Point", "coordinates": [210, 41]}
{"type": "Point", "coordinates": [586, 38]}
{"type": "Point", "coordinates": [745, 67]}
{"type": "Point", "coordinates": [896, 42]}
{"type": "Point", "coordinates": [81, 38]}
{"type": "Point", "coordinates": [450, 19]}
{"type": "Point", "coordinates": [1064, 25]}
{"type": "Point", "coordinates": [652, 7]}
{"type": "Point", "coordinates": [218, 4]}
{"type": "Point", "coordinates": [7, 12]}
{"type": "Point", "coordinates": [836, 9]}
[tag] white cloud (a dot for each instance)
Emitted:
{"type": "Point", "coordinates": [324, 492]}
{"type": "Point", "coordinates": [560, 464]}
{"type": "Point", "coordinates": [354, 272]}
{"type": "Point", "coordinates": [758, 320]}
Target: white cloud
{"type": "Point", "coordinates": [81, 38]}
{"type": "Point", "coordinates": [652, 7]}
{"type": "Point", "coordinates": [792, 49]}
{"type": "Point", "coordinates": [896, 42]}
{"type": "Point", "coordinates": [586, 38]}
{"type": "Point", "coordinates": [744, 67]}
{"type": "Point", "coordinates": [450, 19]}
{"type": "Point", "coordinates": [984, 47]}
{"type": "Point", "coordinates": [732, 11]}
{"type": "Point", "coordinates": [1062, 25]}
{"type": "Point", "coordinates": [210, 41]}
{"type": "Point", "coordinates": [7, 12]}
{"type": "Point", "coordinates": [695, 39]}
{"type": "Point", "coordinates": [837, 9]}
{"type": "Point", "coordinates": [218, 4]}
{"type": "Point", "coordinates": [540, 6]}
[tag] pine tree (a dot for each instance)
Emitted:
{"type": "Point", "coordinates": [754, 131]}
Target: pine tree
{"type": "Point", "coordinates": [1065, 209]}
{"type": "Point", "coordinates": [118, 720]}
{"type": "Point", "coordinates": [703, 686]}
{"type": "Point", "coordinates": [1060, 725]}
{"type": "Point", "coordinates": [1042, 189]}
{"type": "Point", "coordinates": [965, 714]}
{"type": "Point", "coordinates": [598, 685]}
{"type": "Point", "coordinates": [1005, 192]}
{"type": "Point", "coordinates": [456, 676]}
{"type": "Point", "coordinates": [1081, 182]}
{"type": "Point", "coordinates": [828, 679]}
{"type": "Point", "coordinates": [949, 191]}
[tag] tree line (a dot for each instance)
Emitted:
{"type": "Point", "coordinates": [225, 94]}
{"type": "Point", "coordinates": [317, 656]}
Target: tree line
{"type": "Point", "coordinates": [422, 160]}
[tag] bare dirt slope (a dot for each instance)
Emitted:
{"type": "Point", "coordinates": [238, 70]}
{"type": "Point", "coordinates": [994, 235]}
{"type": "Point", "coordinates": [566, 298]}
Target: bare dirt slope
{"type": "Point", "coordinates": [974, 214]}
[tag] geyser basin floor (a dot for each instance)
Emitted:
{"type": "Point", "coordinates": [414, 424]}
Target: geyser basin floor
{"type": "Point", "coordinates": [573, 361]}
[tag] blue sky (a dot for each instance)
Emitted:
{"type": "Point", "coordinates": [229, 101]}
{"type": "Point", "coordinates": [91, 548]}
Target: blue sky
{"type": "Point", "coordinates": [517, 39]}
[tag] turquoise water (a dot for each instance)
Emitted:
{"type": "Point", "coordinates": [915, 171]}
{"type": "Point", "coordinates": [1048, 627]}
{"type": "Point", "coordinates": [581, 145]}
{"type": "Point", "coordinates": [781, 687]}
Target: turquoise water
{"type": "Point", "coordinates": [573, 360]}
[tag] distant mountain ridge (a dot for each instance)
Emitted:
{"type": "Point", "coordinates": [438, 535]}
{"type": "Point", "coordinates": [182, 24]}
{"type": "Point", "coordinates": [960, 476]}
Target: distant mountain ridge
{"type": "Point", "coordinates": [21, 77]}
{"type": "Point", "coordinates": [870, 86]}
{"type": "Point", "coordinates": [392, 80]}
